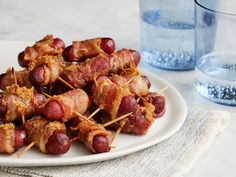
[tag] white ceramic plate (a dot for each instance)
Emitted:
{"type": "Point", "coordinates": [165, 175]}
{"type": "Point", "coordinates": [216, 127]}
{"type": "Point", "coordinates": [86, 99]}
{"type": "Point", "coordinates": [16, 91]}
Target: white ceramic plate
{"type": "Point", "coordinates": [125, 144]}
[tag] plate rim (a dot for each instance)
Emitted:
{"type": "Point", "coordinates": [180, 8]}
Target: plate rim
{"type": "Point", "coordinates": [104, 156]}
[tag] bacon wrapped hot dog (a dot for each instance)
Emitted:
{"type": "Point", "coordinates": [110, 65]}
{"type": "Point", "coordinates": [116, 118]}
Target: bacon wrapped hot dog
{"type": "Point", "coordinates": [108, 95]}
{"type": "Point", "coordinates": [49, 137]}
{"type": "Point", "coordinates": [81, 50]}
{"type": "Point", "coordinates": [158, 101]}
{"type": "Point", "coordinates": [94, 136]}
{"type": "Point", "coordinates": [11, 139]}
{"type": "Point", "coordinates": [117, 100]}
{"type": "Point", "coordinates": [17, 101]}
{"type": "Point", "coordinates": [47, 46]}
{"type": "Point", "coordinates": [46, 70]}
{"type": "Point", "coordinates": [7, 79]}
{"type": "Point", "coordinates": [138, 84]}
{"type": "Point", "coordinates": [142, 118]}
{"type": "Point", "coordinates": [81, 74]}
{"type": "Point", "coordinates": [65, 106]}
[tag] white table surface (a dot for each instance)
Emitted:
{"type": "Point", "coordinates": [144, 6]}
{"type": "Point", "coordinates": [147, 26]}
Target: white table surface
{"type": "Point", "coordinates": [79, 19]}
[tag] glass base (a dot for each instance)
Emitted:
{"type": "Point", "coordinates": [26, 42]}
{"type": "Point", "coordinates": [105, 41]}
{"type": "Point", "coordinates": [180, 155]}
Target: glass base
{"type": "Point", "coordinates": [223, 94]}
{"type": "Point", "coordinates": [216, 77]}
{"type": "Point", "coordinates": [169, 60]}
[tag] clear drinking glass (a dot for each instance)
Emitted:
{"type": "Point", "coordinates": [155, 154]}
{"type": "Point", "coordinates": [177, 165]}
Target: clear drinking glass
{"type": "Point", "coordinates": [215, 50]}
{"type": "Point", "coordinates": [167, 33]}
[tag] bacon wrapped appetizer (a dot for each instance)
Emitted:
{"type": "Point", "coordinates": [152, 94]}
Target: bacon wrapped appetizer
{"type": "Point", "coordinates": [138, 122]}
{"type": "Point", "coordinates": [158, 101]}
{"type": "Point", "coordinates": [11, 138]}
{"type": "Point", "coordinates": [47, 46]}
{"type": "Point", "coordinates": [118, 91]}
{"type": "Point", "coordinates": [94, 136]}
{"type": "Point", "coordinates": [66, 106]}
{"type": "Point", "coordinates": [17, 102]}
{"type": "Point", "coordinates": [138, 84]}
{"type": "Point", "coordinates": [142, 118]}
{"type": "Point", "coordinates": [7, 79]}
{"type": "Point", "coordinates": [81, 74]}
{"type": "Point", "coordinates": [47, 70]}
{"type": "Point", "coordinates": [80, 50]}
{"type": "Point", "coordinates": [49, 137]}
{"type": "Point", "coordinates": [117, 100]}
{"type": "Point", "coordinates": [108, 95]}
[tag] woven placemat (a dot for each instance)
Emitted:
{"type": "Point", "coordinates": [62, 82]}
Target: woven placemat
{"type": "Point", "coordinates": [172, 157]}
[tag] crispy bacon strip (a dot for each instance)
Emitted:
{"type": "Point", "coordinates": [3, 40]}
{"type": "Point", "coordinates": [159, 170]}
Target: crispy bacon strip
{"type": "Point", "coordinates": [137, 85]}
{"type": "Point", "coordinates": [47, 46]}
{"type": "Point", "coordinates": [108, 95]}
{"type": "Point", "coordinates": [47, 70]}
{"type": "Point", "coordinates": [66, 106]}
{"type": "Point", "coordinates": [18, 101]}
{"type": "Point", "coordinates": [137, 123]}
{"type": "Point", "coordinates": [88, 131]}
{"type": "Point", "coordinates": [123, 59]}
{"type": "Point", "coordinates": [7, 79]}
{"type": "Point", "coordinates": [39, 130]}
{"type": "Point", "coordinates": [80, 50]}
{"type": "Point", "coordinates": [81, 74]}
{"type": "Point", "coordinates": [7, 138]}
{"type": "Point", "coordinates": [117, 100]}
{"type": "Point", "coordinates": [11, 139]}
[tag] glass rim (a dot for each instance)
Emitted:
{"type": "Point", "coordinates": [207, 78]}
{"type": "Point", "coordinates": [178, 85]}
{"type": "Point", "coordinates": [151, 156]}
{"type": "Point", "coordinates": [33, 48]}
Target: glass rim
{"type": "Point", "coordinates": [212, 10]}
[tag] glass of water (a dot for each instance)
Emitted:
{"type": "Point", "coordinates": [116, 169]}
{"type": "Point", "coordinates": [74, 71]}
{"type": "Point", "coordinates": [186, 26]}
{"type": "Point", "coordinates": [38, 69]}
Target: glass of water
{"type": "Point", "coordinates": [215, 49]}
{"type": "Point", "coordinates": [167, 33]}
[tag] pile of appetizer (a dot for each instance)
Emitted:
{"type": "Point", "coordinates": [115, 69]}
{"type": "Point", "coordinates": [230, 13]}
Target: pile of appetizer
{"type": "Point", "coordinates": [76, 93]}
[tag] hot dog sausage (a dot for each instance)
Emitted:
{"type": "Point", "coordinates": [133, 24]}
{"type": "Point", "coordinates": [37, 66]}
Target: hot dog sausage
{"type": "Point", "coordinates": [58, 143]}
{"type": "Point", "coordinates": [94, 136]}
{"type": "Point", "coordinates": [58, 44]}
{"type": "Point", "coordinates": [46, 71]}
{"type": "Point", "coordinates": [101, 144]}
{"type": "Point", "coordinates": [90, 48]}
{"type": "Point", "coordinates": [65, 106]}
{"type": "Point", "coordinates": [47, 46]}
{"type": "Point", "coordinates": [37, 76]}
{"type": "Point", "coordinates": [128, 104]}
{"type": "Point", "coordinates": [7, 79]}
{"type": "Point", "coordinates": [159, 103]}
{"type": "Point", "coordinates": [20, 138]}
{"type": "Point", "coordinates": [17, 101]}
{"type": "Point", "coordinates": [49, 137]}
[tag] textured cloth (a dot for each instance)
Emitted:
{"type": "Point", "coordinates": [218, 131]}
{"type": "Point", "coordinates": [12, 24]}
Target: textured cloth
{"type": "Point", "coordinates": [172, 157]}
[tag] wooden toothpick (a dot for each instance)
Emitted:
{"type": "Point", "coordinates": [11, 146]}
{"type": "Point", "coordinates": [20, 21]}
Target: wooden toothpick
{"type": "Point", "coordinates": [116, 119]}
{"type": "Point", "coordinates": [122, 123]}
{"type": "Point", "coordinates": [66, 83]}
{"type": "Point", "coordinates": [73, 128]}
{"type": "Point", "coordinates": [95, 81]}
{"type": "Point", "coordinates": [14, 75]}
{"type": "Point", "coordinates": [47, 95]}
{"type": "Point", "coordinates": [25, 149]}
{"type": "Point", "coordinates": [131, 79]}
{"type": "Point", "coordinates": [83, 117]}
{"type": "Point", "coordinates": [74, 139]}
{"type": "Point", "coordinates": [23, 119]}
{"type": "Point", "coordinates": [163, 89]}
{"type": "Point", "coordinates": [138, 99]}
{"type": "Point", "coordinates": [95, 112]}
